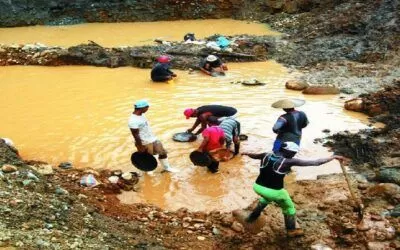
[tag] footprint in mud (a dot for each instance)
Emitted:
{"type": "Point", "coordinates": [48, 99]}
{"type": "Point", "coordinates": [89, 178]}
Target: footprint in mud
{"type": "Point", "coordinates": [255, 227]}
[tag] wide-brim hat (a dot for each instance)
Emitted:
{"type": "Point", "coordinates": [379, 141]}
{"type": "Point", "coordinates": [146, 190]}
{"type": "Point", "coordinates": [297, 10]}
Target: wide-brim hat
{"type": "Point", "coordinates": [211, 58]}
{"type": "Point", "coordinates": [288, 103]}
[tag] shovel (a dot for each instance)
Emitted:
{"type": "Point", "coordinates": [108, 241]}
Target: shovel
{"type": "Point", "coordinates": [360, 206]}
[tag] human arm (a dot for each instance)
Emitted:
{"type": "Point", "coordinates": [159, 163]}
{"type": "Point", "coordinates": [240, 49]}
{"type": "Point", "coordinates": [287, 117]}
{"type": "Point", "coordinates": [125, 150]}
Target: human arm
{"type": "Point", "coordinates": [196, 123]}
{"type": "Point", "coordinates": [138, 141]}
{"type": "Point", "coordinates": [205, 70]}
{"type": "Point", "coordinates": [203, 143]}
{"type": "Point", "coordinates": [279, 125]}
{"type": "Point", "coordinates": [316, 162]}
{"type": "Point", "coordinates": [258, 156]}
{"type": "Point", "coordinates": [203, 121]}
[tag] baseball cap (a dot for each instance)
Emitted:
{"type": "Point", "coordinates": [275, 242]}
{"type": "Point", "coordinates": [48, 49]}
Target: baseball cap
{"type": "Point", "coordinates": [141, 104]}
{"type": "Point", "coordinates": [188, 112]}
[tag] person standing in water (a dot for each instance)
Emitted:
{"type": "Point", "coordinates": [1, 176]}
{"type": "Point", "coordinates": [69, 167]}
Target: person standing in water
{"type": "Point", "coordinates": [213, 66]}
{"type": "Point", "coordinates": [213, 138]}
{"type": "Point", "coordinates": [289, 126]}
{"type": "Point", "coordinates": [203, 112]}
{"type": "Point", "coordinates": [145, 140]}
{"type": "Point", "coordinates": [161, 71]}
{"type": "Point", "coordinates": [231, 128]}
{"type": "Point", "coordinates": [270, 182]}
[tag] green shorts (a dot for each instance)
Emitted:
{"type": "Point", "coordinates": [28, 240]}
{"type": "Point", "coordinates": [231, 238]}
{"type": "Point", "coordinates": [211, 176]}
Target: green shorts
{"type": "Point", "coordinates": [281, 197]}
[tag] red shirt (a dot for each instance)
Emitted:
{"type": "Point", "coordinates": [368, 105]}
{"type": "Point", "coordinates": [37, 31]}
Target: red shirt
{"type": "Point", "coordinates": [214, 134]}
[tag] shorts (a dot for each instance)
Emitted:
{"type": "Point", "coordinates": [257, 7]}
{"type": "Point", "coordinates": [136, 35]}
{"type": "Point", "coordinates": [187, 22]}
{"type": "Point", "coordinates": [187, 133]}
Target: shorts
{"type": "Point", "coordinates": [156, 148]}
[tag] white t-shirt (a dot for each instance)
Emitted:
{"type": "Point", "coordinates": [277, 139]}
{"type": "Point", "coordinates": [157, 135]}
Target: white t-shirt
{"type": "Point", "coordinates": [140, 122]}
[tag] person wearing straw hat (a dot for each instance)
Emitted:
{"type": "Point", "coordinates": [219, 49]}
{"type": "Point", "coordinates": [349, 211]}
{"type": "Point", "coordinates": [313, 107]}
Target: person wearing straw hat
{"type": "Point", "coordinates": [270, 183]}
{"type": "Point", "coordinates": [289, 126]}
{"type": "Point", "coordinates": [213, 66]}
{"type": "Point", "coordinates": [145, 140]}
{"type": "Point", "coordinates": [161, 72]}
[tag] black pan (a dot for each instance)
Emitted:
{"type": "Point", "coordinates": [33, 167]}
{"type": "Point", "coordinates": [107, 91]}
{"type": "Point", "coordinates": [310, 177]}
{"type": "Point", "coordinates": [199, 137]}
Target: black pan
{"type": "Point", "coordinates": [200, 159]}
{"type": "Point", "coordinates": [144, 161]}
{"type": "Point", "coordinates": [184, 137]}
{"type": "Point", "coordinates": [243, 137]}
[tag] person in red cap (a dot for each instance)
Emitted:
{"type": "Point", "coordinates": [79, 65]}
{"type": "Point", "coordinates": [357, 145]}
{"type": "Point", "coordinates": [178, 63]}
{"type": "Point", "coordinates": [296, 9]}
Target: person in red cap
{"type": "Point", "coordinates": [161, 71]}
{"type": "Point", "coordinates": [203, 112]}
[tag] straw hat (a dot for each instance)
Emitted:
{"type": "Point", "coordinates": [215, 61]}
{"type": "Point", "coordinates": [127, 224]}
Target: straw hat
{"type": "Point", "coordinates": [288, 103]}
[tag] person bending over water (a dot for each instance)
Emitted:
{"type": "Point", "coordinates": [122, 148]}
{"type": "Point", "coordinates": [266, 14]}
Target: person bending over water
{"type": "Point", "coordinates": [203, 112]}
{"type": "Point", "coordinates": [161, 71]}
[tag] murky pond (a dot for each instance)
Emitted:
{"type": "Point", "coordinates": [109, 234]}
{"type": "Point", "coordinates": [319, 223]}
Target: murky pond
{"type": "Point", "coordinates": [80, 114]}
{"type": "Point", "coordinates": [119, 34]}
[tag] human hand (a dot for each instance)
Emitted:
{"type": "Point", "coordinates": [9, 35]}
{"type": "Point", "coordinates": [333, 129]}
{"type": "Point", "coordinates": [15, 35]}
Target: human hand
{"type": "Point", "coordinates": [340, 158]}
{"type": "Point", "coordinates": [141, 148]}
{"type": "Point", "coordinates": [189, 130]}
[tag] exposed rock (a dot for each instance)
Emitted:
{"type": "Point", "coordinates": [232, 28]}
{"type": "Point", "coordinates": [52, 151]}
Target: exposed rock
{"type": "Point", "coordinates": [354, 105]}
{"type": "Point", "coordinates": [7, 168]}
{"type": "Point", "coordinates": [389, 175]}
{"type": "Point", "coordinates": [321, 90]}
{"type": "Point", "coordinates": [296, 85]}
{"type": "Point", "coordinates": [44, 169]}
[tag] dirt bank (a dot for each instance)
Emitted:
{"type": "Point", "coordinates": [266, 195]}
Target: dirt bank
{"type": "Point", "coordinates": [54, 211]}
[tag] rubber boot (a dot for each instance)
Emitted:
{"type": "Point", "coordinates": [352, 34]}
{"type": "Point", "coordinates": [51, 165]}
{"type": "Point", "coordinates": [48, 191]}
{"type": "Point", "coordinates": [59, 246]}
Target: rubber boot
{"type": "Point", "coordinates": [290, 223]}
{"type": "Point", "coordinates": [255, 213]}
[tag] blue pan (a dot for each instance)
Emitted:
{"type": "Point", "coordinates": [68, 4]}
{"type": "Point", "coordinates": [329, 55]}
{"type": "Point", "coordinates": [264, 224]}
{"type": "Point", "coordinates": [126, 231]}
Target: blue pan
{"type": "Point", "coordinates": [144, 161]}
{"type": "Point", "coordinates": [184, 137]}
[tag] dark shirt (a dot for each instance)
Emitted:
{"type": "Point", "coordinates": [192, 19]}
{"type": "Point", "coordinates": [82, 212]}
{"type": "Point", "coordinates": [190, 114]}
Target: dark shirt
{"type": "Point", "coordinates": [210, 65]}
{"type": "Point", "coordinates": [289, 126]}
{"type": "Point", "coordinates": [216, 110]}
{"type": "Point", "coordinates": [161, 72]}
{"type": "Point", "coordinates": [273, 169]}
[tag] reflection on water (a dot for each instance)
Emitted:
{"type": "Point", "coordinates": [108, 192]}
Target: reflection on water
{"type": "Point", "coordinates": [80, 114]}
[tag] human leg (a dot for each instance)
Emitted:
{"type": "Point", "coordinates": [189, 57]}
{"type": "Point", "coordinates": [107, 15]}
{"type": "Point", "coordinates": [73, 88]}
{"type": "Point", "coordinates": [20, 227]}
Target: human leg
{"type": "Point", "coordinates": [213, 167]}
{"type": "Point", "coordinates": [289, 213]}
{"type": "Point", "coordinates": [162, 156]}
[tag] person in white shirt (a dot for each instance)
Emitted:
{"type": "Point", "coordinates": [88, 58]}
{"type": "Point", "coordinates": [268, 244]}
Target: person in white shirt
{"type": "Point", "coordinates": [145, 140]}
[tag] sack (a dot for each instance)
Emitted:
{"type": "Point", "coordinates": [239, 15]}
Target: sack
{"type": "Point", "coordinates": [89, 181]}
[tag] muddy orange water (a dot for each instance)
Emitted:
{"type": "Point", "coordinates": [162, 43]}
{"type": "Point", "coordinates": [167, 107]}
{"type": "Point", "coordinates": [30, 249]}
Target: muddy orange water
{"type": "Point", "coordinates": [120, 34]}
{"type": "Point", "coordinates": [80, 114]}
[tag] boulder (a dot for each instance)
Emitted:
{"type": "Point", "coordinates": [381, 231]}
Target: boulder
{"type": "Point", "coordinates": [356, 104]}
{"type": "Point", "coordinates": [296, 85]}
{"type": "Point", "coordinates": [389, 175]}
{"type": "Point", "coordinates": [7, 168]}
{"type": "Point", "coordinates": [321, 90]}
{"type": "Point", "coordinates": [43, 169]}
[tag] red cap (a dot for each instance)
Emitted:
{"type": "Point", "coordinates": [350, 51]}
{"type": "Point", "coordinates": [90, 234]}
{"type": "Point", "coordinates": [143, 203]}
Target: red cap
{"type": "Point", "coordinates": [188, 112]}
{"type": "Point", "coordinates": [163, 59]}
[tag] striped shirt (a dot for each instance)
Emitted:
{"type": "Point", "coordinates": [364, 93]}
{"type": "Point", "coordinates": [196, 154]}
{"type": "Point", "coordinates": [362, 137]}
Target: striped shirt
{"type": "Point", "coordinates": [230, 127]}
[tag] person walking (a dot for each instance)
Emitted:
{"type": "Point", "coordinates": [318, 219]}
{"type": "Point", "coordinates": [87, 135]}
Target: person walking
{"type": "Point", "coordinates": [289, 126]}
{"type": "Point", "coordinates": [203, 112]}
{"type": "Point", "coordinates": [270, 182]}
{"type": "Point", "coordinates": [145, 140]}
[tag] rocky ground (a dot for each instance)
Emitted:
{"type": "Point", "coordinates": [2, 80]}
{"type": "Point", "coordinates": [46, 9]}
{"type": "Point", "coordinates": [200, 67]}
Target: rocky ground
{"type": "Point", "coordinates": [353, 45]}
